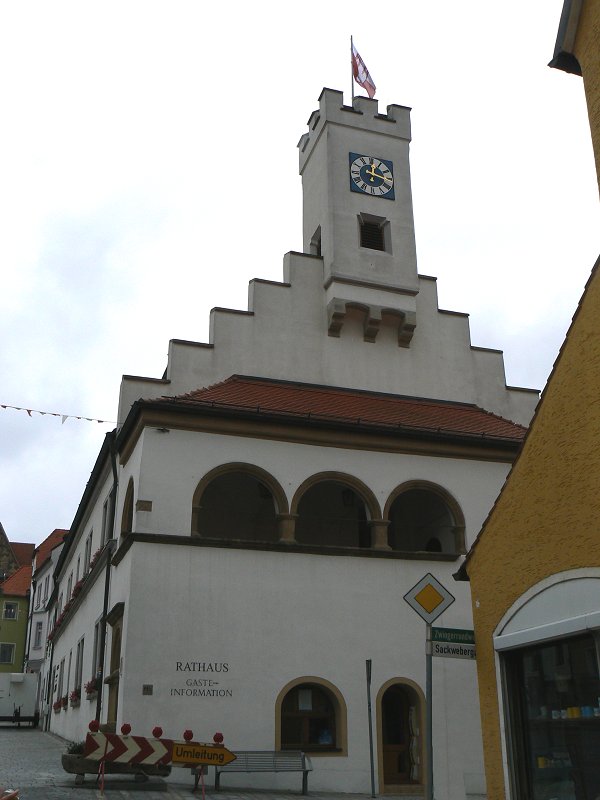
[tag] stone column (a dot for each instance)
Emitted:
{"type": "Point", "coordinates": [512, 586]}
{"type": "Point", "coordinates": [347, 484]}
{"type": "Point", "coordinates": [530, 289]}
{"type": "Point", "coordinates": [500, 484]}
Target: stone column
{"type": "Point", "coordinates": [379, 534]}
{"type": "Point", "coordinates": [286, 527]}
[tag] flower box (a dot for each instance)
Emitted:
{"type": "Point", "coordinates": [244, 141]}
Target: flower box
{"type": "Point", "coordinates": [79, 766]}
{"type": "Point", "coordinates": [91, 688]}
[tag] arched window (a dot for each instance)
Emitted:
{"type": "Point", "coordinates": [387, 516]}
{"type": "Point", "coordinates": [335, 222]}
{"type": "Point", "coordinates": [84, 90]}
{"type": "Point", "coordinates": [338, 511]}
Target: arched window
{"type": "Point", "coordinates": [127, 516]}
{"type": "Point", "coordinates": [424, 518]}
{"type": "Point", "coordinates": [311, 717]}
{"type": "Point", "coordinates": [236, 504]}
{"type": "Point", "coordinates": [333, 514]}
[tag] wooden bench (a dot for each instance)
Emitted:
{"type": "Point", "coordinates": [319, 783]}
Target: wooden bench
{"type": "Point", "coordinates": [267, 761]}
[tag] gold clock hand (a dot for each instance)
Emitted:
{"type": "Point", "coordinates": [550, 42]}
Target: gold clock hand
{"type": "Point", "coordinates": [374, 174]}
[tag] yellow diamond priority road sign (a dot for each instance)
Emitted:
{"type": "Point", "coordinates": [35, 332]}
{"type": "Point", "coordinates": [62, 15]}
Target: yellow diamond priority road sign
{"type": "Point", "coordinates": [429, 598]}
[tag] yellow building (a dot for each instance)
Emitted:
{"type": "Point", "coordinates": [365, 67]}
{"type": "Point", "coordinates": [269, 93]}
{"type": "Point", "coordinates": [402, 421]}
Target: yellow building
{"type": "Point", "coordinates": [535, 567]}
{"type": "Point", "coordinates": [577, 51]}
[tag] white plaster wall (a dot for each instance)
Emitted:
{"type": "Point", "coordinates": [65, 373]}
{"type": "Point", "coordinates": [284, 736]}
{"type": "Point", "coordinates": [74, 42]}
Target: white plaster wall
{"type": "Point", "coordinates": [72, 723]}
{"type": "Point", "coordinates": [131, 470]}
{"type": "Point", "coordinates": [273, 617]}
{"type": "Point", "coordinates": [174, 463]}
{"type": "Point", "coordinates": [286, 338]}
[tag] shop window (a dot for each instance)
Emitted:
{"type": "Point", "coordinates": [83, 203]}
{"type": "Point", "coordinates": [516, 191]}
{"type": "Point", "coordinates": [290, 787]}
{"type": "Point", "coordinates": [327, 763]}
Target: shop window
{"type": "Point", "coordinates": [332, 514]}
{"type": "Point", "coordinates": [236, 505]}
{"type": "Point", "coordinates": [554, 715]}
{"type": "Point", "coordinates": [425, 519]}
{"type": "Point", "coordinates": [308, 719]}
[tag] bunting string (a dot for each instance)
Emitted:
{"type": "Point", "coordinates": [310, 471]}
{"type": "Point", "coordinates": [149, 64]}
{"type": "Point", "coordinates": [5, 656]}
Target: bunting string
{"type": "Point", "coordinates": [63, 417]}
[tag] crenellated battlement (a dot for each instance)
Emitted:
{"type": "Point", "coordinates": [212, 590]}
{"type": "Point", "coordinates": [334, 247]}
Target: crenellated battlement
{"type": "Point", "coordinates": [362, 114]}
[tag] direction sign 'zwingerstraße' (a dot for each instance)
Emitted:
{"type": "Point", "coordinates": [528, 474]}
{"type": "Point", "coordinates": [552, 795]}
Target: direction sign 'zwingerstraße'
{"type": "Point", "coordinates": [453, 643]}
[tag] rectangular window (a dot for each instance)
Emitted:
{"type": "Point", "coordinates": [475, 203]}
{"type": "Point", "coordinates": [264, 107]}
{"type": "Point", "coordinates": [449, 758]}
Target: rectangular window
{"type": "Point", "coordinates": [78, 664]}
{"type": "Point", "coordinates": [104, 531]}
{"type": "Point", "coordinates": [11, 610]}
{"type": "Point", "coordinates": [46, 582]}
{"type": "Point", "coordinates": [37, 642]}
{"type": "Point", "coordinates": [554, 713]}
{"type": "Point", "coordinates": [38, 591]}
{"type": "Point", "coordinates": [7, 653]}
{"type": "Point", "coordinates": [87, 557]}
{"type": "Point", "coordinates": [78, 569]}
{"type": "Point", "coordinates": [69, 586]}
{"type": "Point", "coordinates": [61, 678]}
{"type": "Point", "coordinates": [96, 650]}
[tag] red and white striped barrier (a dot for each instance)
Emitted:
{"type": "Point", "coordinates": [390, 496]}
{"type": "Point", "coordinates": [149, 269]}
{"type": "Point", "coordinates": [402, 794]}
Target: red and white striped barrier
{"type": "Point", "coordinates": [128, 749]}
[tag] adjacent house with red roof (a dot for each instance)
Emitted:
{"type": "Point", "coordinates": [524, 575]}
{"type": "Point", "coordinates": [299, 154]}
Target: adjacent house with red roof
{"type": "Point", "coordinates": [45, 558]}
{"type": "Point", "coordinates": [13, 555]}
{"type": "Point", "coordinates": [248, 533]}
{"type": "Point", "coordinates": [14, 606]}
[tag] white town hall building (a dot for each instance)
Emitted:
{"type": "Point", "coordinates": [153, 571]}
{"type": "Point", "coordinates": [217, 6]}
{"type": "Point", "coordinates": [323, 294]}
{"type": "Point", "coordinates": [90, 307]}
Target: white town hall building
{"type": "Point", "coordinates": [251, 527]}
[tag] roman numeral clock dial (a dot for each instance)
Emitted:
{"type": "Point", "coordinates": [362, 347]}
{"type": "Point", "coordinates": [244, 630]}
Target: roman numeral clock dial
{"type": "Point", "coordinates": [372, 176]}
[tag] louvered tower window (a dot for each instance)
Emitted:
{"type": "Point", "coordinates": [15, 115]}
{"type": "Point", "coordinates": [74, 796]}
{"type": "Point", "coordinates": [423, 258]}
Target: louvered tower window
{"type": "Point", "coordinates": [371, 236]}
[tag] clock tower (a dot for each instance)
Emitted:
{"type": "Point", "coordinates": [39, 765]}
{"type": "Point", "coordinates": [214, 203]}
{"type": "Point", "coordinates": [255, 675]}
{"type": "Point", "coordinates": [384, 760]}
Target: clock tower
{"type": "Point", "coordinates": [358, 214]}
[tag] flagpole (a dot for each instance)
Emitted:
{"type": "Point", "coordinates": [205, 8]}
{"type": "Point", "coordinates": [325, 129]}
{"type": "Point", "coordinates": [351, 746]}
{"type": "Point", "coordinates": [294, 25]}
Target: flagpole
{"type": "Point", "coordinates": [352, 68]}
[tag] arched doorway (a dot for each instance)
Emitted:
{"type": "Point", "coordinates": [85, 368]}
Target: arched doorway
{"type": "Point", "coordinates": [114, 674]}
{"type": "Point", "coordinates": [400, 736]}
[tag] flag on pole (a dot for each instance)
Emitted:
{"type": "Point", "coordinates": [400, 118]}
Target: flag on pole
{"type": "Point", "coordinates": [361, 73]}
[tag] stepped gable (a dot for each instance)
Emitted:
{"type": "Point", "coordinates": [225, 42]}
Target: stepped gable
{"type": "Point", "coordinates": [19, 584]}
{"type": "Point", "coordinates": [272, 398]}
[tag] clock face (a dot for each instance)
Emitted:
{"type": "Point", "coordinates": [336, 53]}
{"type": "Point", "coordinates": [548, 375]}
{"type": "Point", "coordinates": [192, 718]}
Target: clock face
{"type": "Point", "coordinates": [372, 176]}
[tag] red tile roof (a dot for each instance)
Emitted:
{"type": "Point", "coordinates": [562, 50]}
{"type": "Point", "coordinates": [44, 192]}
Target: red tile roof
{"type": "Point", "coordinates": [42, 553]}
{"type": "Point", "coordinates": [299, 401]}
{"type": "Point", "coordinates": [23, 552]}
{"type": "Point", "coordinates": [19, 582]}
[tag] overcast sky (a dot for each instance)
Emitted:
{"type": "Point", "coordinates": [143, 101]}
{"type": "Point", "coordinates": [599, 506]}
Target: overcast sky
{"type": "Point", "coordinates": [114, 237]}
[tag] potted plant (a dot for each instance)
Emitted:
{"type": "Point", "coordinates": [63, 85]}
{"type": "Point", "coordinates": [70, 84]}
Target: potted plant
{"type": "Point", "coordinates": [65, 701]}
{"type": "Point", "coordinates": [74, 762]}
{"type": "Point", "coordinates": [91, 688]}
{"type": "Point", "coordinates": [57, 706]}
{"type": "Point", "coordinates": [75, 697]}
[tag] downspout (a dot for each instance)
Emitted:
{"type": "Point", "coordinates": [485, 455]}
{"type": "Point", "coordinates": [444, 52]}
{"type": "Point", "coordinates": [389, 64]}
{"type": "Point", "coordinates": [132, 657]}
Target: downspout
{"type": "Point", "coordinates": [49, 689]}
{"type": "Point", "coordinates": [111, 545]}
{"type": "Point", "coordinates": [31, 594]}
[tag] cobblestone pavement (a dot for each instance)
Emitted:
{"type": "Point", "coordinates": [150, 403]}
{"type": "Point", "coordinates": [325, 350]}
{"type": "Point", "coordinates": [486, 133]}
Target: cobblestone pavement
{"type": "Point", "coordinates": [30, 761]}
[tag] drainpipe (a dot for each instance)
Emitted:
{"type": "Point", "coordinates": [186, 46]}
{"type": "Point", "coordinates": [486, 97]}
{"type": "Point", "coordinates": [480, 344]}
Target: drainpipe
{"type": "Point", "coordinates": [111, 546]}
{"type": "Point", "coordinates": [29, 625]}
{"type": "Point", "coordinates": [49, 687]}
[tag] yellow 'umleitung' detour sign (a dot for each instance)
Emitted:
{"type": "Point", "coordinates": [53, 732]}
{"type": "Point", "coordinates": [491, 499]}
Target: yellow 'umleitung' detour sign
{"type": "Point", "coordinates": [200, 753]}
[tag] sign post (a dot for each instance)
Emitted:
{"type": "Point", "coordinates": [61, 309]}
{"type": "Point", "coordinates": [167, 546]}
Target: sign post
{"type": "Point", "coordinates": [429, 599]}
{"type": "Point", "coordinates": [368, 665]}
